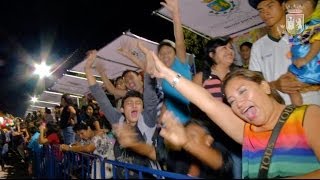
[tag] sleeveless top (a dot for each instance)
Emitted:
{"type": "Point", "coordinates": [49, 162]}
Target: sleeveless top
{"type": "Point", "coordinates": [292, 156]}
{"type": "Point", "coordinates": [214, 86]}
{"type": "Point", "coordinates": [64, 118]}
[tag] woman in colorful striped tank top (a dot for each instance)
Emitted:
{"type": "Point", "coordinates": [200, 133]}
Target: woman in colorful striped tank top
{"type": "Point", "coordinates": [253, 111]}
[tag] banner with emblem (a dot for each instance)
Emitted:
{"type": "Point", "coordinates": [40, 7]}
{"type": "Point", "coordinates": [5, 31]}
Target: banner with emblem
{"type": "Point", "coordinates": [294, 21]}
{"type": "Point", "coordinates": [217, 17]}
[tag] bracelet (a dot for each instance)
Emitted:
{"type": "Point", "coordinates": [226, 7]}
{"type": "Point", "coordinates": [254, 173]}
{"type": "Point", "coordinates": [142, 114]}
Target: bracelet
{"type": "Point", "coordinates": [70, 146]}
{"type": "Point", "coordinates": [175, 80]}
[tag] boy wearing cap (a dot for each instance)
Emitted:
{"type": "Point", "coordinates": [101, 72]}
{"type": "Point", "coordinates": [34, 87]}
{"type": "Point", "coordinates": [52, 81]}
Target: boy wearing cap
{"type": "Point", "coordinates": [174, 56]}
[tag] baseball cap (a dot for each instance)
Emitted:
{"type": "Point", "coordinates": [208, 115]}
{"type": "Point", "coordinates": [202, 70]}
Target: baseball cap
{"type": "Point", "coordinates": [254, 3]}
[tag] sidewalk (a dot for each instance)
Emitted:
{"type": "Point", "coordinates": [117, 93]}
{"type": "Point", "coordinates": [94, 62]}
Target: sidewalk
{"type": "Point", "coordinates": [14, 172]}
{"type": "Point", "coordinates": [4, 174]}
{"type": "Point", "coordinates": [15, 169]}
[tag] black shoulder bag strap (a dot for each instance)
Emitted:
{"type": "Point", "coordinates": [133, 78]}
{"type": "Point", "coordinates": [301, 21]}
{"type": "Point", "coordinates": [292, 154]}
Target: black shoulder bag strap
{"type": "Point", "coordinates": [266, 159]}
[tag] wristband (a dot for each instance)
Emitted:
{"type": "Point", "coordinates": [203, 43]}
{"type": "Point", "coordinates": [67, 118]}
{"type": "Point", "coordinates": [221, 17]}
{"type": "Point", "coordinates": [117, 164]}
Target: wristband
{"type": "Point", "coordinates": [176, 80]}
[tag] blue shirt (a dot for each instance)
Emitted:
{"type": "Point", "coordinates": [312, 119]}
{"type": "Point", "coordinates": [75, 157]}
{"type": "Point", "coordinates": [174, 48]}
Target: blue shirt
{"type": "Point", "coordinates": [174, 101]}
{"type": "Point", "coordinates": [34, 143]}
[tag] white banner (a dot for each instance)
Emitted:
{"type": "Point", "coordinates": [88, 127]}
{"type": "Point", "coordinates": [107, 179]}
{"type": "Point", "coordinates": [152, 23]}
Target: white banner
{"type": "Point", "coordinates": [113, 62]}
{"type": "Point", "coordinates": [217, 17]}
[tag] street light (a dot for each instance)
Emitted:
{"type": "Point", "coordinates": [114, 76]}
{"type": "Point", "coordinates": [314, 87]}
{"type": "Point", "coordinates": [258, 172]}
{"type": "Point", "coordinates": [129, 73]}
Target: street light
{"type": "Point", "coordinates": [42, 70]}
{"type": "Point", "coordinates": [34, 99]}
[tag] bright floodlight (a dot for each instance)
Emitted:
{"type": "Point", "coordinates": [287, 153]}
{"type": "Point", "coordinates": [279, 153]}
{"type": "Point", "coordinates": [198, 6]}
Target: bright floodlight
{"type": "Point", "coordinates": [42, 70]}
{"type": "Point", "coordinates": [34, 99]}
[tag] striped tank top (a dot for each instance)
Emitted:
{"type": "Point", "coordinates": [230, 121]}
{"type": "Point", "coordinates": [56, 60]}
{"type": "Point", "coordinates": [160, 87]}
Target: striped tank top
{"type": "Point", "coordinates": [292, 156]}
{"type": "Point", "coordinates": [213, 85]}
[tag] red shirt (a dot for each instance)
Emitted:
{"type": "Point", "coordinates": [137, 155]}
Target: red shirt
{"type": "Point", "coordinates": [53, 138]}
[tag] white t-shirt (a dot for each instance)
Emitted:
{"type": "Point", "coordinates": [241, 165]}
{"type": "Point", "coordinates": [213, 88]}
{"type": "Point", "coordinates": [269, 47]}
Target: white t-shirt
{"type": "Point", "coordinates": [270, 57]}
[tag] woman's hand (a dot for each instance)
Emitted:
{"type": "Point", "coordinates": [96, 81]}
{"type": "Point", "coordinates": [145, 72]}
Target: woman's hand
{"type": "Point", "coordinates": [153, 65]}
{"type": "Point", "coordinates": [171, 5]}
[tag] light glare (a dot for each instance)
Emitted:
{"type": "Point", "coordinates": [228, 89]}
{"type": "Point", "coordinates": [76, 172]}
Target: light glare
{"type": "Point", "coordinates": [42, 70]}
{"type": "Point", "coordinates": [34, 99]}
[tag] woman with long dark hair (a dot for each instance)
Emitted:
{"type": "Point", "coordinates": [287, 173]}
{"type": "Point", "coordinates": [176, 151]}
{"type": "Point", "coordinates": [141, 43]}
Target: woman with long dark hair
{"type": "Point", "coordinates": [68, 119]}
{"type": "Point", "coordinates": [49, 134]}
{"type": "Point", "coordinates": [217, 64]}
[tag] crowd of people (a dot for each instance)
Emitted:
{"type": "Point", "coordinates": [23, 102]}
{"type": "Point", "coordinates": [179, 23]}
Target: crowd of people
{"type": "Point", "coordinates": [258, 120]}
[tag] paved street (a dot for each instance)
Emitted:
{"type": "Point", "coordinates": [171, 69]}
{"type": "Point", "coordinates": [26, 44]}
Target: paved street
{"type": "Point", "coordinates": [12, 172]}
{"type": "Point", "coordinates": [14, 169]}
{"type": "Point", "coordinates": [4, 174]}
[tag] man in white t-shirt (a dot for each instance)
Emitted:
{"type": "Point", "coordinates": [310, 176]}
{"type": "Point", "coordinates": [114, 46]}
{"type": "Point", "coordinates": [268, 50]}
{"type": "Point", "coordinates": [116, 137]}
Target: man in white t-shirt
{"type": "Point", "coordinates": [269, 54]}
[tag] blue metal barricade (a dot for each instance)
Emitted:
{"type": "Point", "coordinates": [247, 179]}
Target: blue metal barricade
{"type": "Point", "coordinates": [141, 169]}
{"type": "Point", "coordinates": [52, 163]}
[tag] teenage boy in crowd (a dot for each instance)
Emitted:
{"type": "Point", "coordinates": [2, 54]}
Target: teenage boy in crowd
{"type": "Point", "coordinates": [137, 111]}
{"type": "Point", "coordinates": [269, 53]}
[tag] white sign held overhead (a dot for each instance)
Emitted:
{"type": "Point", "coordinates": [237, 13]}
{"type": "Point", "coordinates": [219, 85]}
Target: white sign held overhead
{"type": "Point", "coordinates": [217, 17]}
{"type": "Point", "coordinates": [113, 62]}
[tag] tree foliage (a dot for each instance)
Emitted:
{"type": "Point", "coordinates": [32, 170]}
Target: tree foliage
{"type": "Point", "coordinates": [195, 45]}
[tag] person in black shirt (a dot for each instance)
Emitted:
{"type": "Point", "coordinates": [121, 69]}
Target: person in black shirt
{"type": "Point", "coordinates": [67, 119]}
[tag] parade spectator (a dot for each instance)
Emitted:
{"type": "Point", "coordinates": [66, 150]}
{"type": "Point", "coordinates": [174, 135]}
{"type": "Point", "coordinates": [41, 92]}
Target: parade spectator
{"type": "Point", "coordinates": [48, 116]}
{"type": "Point", "coordinates": [174, 55]}
{"type": "Point", "coordinates": [245, 51]}
{"type": "Point", "coordinates": [99, 144]}
{"type": "Point", "coordinates": [137, 111]}
{"type": "Point", "coordinates": [218, 163]}
{"type": "Point", "coordinates": [49, 134]}
{"type": "Point", "coordinates": [2, 146]}
{"type": "Point", "coordinates": [20, 137]}
{"type": "Point", "coordinates": [57, 113]}
{"type": "Point", "coordinates": [119, 84]}
{"type": "Point", "coordinates": [255, 109]}
{"type": "Point", "coordinates": [269, 54]}
{"type": "Point", "coordinates": [68, 119]}
{"type": "Point", "coordinates": [217, 64]}
{"type": "Point", "coordinates": [118, 88]}
{"type": "Point", "coordinates": [34, 149]}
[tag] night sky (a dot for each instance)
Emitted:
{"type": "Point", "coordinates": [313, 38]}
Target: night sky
{"type": "Point", "coordinates": [31, 30]}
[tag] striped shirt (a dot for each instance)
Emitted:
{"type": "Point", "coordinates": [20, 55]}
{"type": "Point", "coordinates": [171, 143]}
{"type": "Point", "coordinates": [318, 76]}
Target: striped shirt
{"type": "Point", "coordinates": [214, 85]}
{"type": "Point", "coordinates": [292, 156]}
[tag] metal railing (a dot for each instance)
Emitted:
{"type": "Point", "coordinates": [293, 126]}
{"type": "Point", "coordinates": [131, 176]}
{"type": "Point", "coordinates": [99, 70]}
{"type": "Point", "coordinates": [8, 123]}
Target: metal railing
{"type": "Point", "coordinates": [52, 163]}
